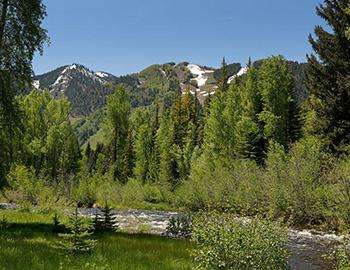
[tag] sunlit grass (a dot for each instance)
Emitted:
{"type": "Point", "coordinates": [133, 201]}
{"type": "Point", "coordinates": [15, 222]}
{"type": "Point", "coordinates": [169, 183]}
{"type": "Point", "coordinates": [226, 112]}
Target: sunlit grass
{"type": "Point", "coordinates": [29, 244]}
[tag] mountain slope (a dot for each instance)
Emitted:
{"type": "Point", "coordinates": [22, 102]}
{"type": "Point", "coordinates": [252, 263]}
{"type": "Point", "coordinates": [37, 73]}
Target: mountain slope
{"type": "Point", "coordinates": [87, 90]}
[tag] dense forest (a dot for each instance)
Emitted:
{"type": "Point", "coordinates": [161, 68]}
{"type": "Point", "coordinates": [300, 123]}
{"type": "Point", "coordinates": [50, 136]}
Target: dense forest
{"type": "Point", "coordinates": [255, 146]}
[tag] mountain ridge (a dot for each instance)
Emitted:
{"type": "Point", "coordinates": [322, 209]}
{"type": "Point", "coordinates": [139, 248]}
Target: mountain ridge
{"type": "Point", "coordinates": [87, 90]}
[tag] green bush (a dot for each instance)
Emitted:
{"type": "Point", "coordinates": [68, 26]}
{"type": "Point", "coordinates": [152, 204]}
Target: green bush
{"type": "Point", "coordinates": [152, 194]}
{"type": "Point", "coordinates": [180, 226]}
{"type": "Point", "coordinates": [339, 257]}
{"type": "Point", "coordinates": [132, 192]}
{"type": "Point", "coordinates": [24, 187]}
{"type": "Point", "coordinates": [226, 242]}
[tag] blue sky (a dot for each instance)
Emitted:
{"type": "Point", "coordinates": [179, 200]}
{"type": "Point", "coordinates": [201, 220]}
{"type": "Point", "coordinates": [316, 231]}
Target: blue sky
{"type": "Point", "coordinates": [125, 36]}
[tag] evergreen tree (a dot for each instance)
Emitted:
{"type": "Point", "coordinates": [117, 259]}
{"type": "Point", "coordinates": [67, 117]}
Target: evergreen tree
{"type": "Point", "coordinates": [143, 143]}
{"type": "Point", "coordinates": [107, 218]}
{"type": "Point", "coordinates": [231, 115]}
{"type": "Point", "coordinates": [214, 129]}
{"type": "Point", "coordinates": [78, 240]}
{"type": "Point", "coordinates": [328, 75]}
{"type": "Point", "coordinates": [248, 132]}
{"type": "Point", "coordinates": [104, 222]}
{"type": "Point", "coordinates": [223, 85]}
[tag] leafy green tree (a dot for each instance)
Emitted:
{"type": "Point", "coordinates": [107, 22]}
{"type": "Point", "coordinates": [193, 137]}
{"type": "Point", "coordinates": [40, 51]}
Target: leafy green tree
{"type": "Point", "coordinates": [328, 75]}
{"type": "Point", "coordinates": [48, 141]}
{"type": "Point", "coordinates": [23, 187]}
{"type": "Point", "coordinates": [128, 158]}
{"type": "Point", "coordinates": [276, 84]}
{"type": "Point", "coordinates": [164, 144]}
{"type": "Point", "coordinates": [117, 125]}
{"type": "Point", "coordinates": [225, 242]}
{"type": "Point", "coordinates": [21, 35]}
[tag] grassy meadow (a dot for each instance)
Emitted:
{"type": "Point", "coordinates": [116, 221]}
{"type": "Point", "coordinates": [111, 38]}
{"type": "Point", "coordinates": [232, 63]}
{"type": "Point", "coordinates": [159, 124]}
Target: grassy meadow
{"type": "Point", "coordinates": [29, 243]}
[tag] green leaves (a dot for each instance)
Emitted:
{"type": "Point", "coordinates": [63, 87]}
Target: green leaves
{"type": "Point", "coordinates": [227, 242]}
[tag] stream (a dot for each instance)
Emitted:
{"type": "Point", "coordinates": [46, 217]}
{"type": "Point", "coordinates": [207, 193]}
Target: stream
{"type": "Point", "coordinates": [307, 246]}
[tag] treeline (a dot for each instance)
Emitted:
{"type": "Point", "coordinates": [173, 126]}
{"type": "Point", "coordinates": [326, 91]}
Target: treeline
{"type": "Point", "coordinates": [253, 147]}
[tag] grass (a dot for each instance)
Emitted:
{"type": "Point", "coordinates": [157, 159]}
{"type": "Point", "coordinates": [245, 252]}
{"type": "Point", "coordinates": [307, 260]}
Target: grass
{"type": "Point", "coordinates": [28, 243]}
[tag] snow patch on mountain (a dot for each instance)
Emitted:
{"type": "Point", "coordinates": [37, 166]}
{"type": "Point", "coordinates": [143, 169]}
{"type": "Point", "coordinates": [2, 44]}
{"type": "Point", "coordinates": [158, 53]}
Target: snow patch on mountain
{"type": "Point", "coordinates": [241, 72]}
{"type": "Point", "coordinates": [200, 74]}
{"type": "Point", "coordinates": [101, 74]}
{"type": "Point", "coordinates": [36, 84]}
{"type": "Point", "coordinates": [76, 70]}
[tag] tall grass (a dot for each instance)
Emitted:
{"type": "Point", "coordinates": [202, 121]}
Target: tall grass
{"type": "Point", "coordinates": [28, 243]}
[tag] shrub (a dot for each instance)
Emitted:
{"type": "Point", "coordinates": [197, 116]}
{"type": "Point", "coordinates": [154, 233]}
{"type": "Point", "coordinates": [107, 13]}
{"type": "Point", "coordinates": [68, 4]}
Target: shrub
{"type": "Point", "coordinates": [180, 226]}
{"type": "Point", "coordinates": [340, 256]}
{"type": "Point", "coordinates": [24, 187]}
{"type": "Point", "coordinates": [133, 192]}
{"type": "Point", "coordinates": [152, 194]}
{"type": "Point", "coordinates": [226, 242]}
{"type": "Point", "coordinates": [85, 193]}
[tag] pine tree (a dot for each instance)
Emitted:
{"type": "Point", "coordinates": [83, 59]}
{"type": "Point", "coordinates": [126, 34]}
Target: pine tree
{"type": "Point", "coordinates": [143, 143]}
{"type": "Point", "coordinates": [107, 218]}
{"type": "Point", "coordinates": [223, 85]}
{"type": "Point", "coordinates": [104, 222]}
{"type": "Point", "coordinates": [214, 130]}
{"type": "Point", "coordinates": [328, 75]}
{"type": "Point", "coordinates": [248, 132]}
{"type": "Point", "coordinates": [78, 240]}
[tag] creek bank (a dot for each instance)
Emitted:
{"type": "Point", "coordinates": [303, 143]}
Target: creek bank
{"type": "Point", "coordinates": [307, 246]}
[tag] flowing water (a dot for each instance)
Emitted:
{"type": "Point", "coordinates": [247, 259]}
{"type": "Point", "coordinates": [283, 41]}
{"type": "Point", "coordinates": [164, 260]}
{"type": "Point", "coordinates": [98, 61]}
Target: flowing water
{"type": "Point", "coordinates": [307, 246]}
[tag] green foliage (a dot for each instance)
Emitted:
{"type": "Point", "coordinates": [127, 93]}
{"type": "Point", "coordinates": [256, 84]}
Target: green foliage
{"type": "Point", "coordinates": [276, 85]}
{"type": "Point", "coordinates": [104, 222]}
{"type": "Point", "coordinates": [78, 241]}
{"type": "Point", "coordinates": [116, 128]}
{"type": "Point", "coordinates": [31, 240]}
{"type": "Point", "coordinates": [57, 226]}
{"type": "Point", "coordinates": [340, 255]}
{"type": "Point", "coordinates": [23, 187]}
{"type": "Point", "coordinates": [227, 242]}
{"type": "Point", "coordinates": [21, 35]}
{"type": "Point", "coordinates": [180, 226]}
{"type": "Point", "coordinates": [4, 224]}
{"type": "Point", "coordinates": [48, 144]}
{"type": "Point", "coordinates": [327, 76]}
